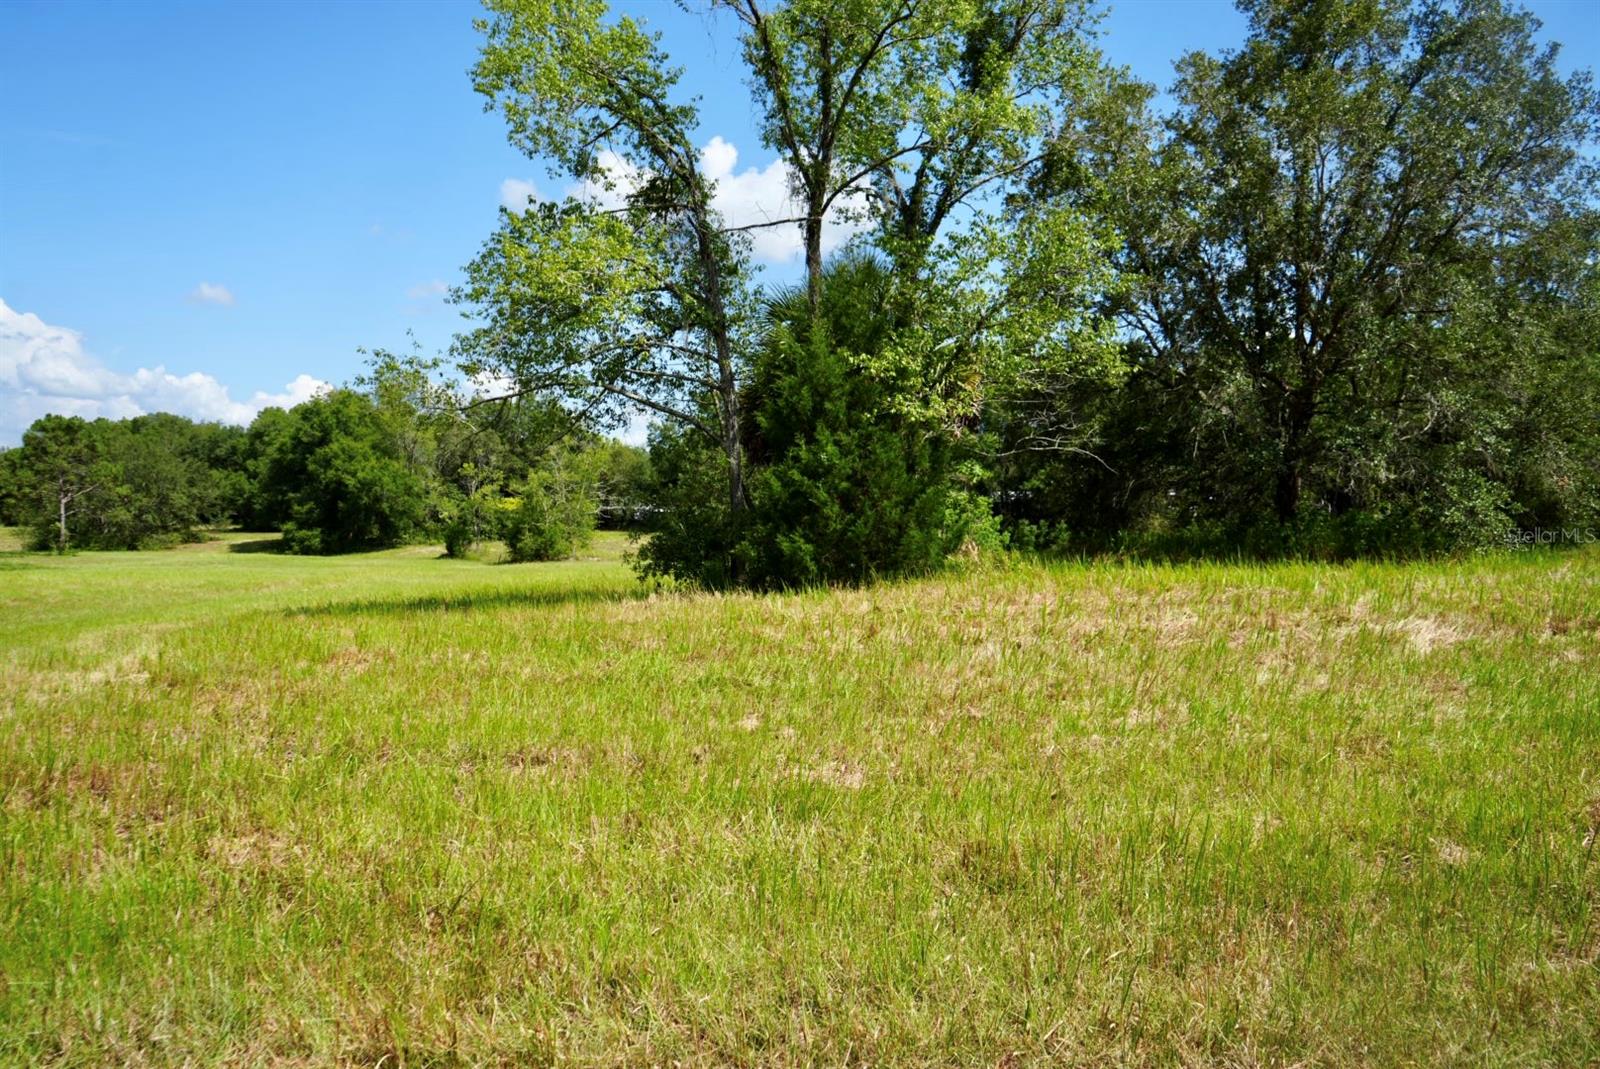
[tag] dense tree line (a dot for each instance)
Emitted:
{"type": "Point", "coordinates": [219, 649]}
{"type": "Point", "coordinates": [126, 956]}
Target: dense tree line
{"type": "Point", "coordinates": [132, 483]}
{"type": "Point", "coordinates": [1360, 294]}
{"type": "Point", "coordinates": [1339, 297]}
{"type": "Point", "coordinates": [396, 458]}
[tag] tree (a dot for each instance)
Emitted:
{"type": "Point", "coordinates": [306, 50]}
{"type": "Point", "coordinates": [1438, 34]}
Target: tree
{"type": "Point", "coordinates": [622, 479]}
{"type": "Point", "coordinates": [833, 79]}
{"type": "Point", "coordinates": [556, 508]}
{"type": "Point", "coordinates": [838, 498]}
{"type": "Point", "coordinates": [336, 479]}
{"type": "Point", "coordinates": [633, 292]}
{"type": "Point", "coordinates": [126, 484]}
{"type": "Point", "coordinates": [930, 116]}
{"type": "Point", "coordinates": [13, 498]}
{"type": "Point", "coordinates": [1325, 235]}
{"type": "Point", "coordinates": [630, 295]}
{"type": "Point", "coordinates": [217, 450]}
{"type": "Point", "coordinates": [64, 466]}
{"type": "Point", "coordinates": [258, 505]}
{"type": "Point", "coordinates": [474, 514]}
{"type": "Point", "coordinates": [927, 120]}
{"type": "Point", "coordinates": [163, 488]}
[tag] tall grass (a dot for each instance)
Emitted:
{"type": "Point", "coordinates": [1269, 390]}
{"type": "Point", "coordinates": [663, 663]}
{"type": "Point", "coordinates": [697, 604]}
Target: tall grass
{"type": "Point", "coordinates": [390, 808]}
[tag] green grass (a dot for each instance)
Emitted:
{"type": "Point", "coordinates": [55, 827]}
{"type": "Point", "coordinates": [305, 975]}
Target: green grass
{"type": "Point", "coordinates": [402, 810]}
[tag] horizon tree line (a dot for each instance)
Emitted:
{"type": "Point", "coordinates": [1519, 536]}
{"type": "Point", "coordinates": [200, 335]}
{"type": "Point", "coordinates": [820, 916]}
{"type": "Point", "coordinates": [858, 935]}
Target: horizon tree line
{"type": "Point", "coordinates": [1339, 297]}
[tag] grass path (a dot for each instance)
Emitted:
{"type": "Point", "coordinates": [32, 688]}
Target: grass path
{"type": "Point", "coordinates": [264, 810]}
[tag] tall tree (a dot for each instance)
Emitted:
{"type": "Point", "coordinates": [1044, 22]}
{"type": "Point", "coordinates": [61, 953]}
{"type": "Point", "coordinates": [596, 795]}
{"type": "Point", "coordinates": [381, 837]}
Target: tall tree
{"type": "Point", "coordinates": [629, 292]}
{"type": "Point", "coordinates": [337, 479]}
{"type": "Point", "coordinates": [926, 119]}
{"type": "Point", "coordinates": [1317, 228]}
{"type": "Point", "coordinates": [913, 108]}
{"type": "Point", "coordinates": [832, 77]}
{"type": "Point", "coordinates": [64, 465]}
{"type": "Point", "coordinates": [13, 501]}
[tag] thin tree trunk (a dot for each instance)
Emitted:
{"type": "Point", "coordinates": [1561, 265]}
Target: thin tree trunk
{"type": "Point", "coordinates": [727, 383]}
{"type": "Point", "coordinates": [1291, 460]}
{"type": "Point", "coordinates": [1286, 494]}
{"type": "Point", "coordinates": [813, 240]}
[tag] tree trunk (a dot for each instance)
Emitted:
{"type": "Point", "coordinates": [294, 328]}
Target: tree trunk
{"type": "Point", "coordinates": [813, 240]}
{"type": "Point", "coordinates": [735, 452]}
{"type": "Point", "coordinates": [61, 536]}
{"type": "Point", "coordinates": [1286, 495]}
{"type": "Point", "coordinates": [1291, 459]}
{"type": "Point", "coordinates": [727, 388]}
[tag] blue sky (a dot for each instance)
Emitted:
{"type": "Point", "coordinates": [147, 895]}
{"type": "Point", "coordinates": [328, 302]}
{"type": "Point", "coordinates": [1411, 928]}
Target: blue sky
{"type": "Point", "coordinates": [210, 207]}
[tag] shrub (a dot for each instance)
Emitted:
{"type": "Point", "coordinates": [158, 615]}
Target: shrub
{"type": "Point", "coordinates": [693, 531]}
{"type": "Point", "coordinates": [336, 481]}
{"type": "Point", "coordinates": [556, 510]}
{"type": "Point", "coordinates": [841, 488]}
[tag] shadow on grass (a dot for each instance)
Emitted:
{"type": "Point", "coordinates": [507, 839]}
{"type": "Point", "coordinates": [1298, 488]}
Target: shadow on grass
{"type": "Point", "coordinates": [257, 545]}
{"type": "Point", "coordinates": [472, 601]}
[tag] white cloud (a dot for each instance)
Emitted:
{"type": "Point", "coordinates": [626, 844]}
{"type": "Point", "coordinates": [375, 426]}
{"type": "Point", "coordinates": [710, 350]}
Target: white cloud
{"type": "Point", "coordinates": [211, 293]}
{"type": "Point", "coordinates": [515, 193]}
{"type": "Point", "coordinates": [718, 157]}
{"type": "Point", "coordinates": [486, 384]}
{"type": "Point", "coordinates": [424, 290]}
{"type": "Point", "coordinates": [45, 368]}
{"type": "Point", "coordinates": [764, 195]}
{"type": "Point", "coordinates": [744, 198]}
{"type": "Point", "coordinates": [637, 430]}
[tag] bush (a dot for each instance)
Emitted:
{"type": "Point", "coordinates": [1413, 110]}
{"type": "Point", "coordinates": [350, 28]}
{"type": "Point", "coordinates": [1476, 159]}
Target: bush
{"type": "Point", "coordinates": [335, 479]}
{"type": "Point", "coordinates": [693, 531]}
{"type": "Point", "coordinates": [556, 510]}
{"type": "Point", "coordinates": [847, 497]}
{"type": "Point", "coordinates": [459, 536]}
{"type": "Point", "coordinates": [840, 487]}
{"type": "Point", "coordinates": [848, 489]}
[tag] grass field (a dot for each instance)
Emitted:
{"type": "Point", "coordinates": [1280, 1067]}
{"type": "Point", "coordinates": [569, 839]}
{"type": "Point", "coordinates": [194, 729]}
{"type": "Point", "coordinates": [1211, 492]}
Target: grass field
{"type": "Point", "coordinates": [402, 810]}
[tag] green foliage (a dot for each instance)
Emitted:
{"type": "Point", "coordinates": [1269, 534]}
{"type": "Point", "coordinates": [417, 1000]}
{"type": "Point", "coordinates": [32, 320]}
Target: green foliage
{"type": "Point", "coordinates": [693, 533]}
{"type": "Point", "coordinates": [122, 485]}
{"type": "Point", "coordinates": [13, 496]}
{"type": "Point", "coordinates": [412, 455]}
{"type": "Point", "coordinates": [165, 489]}
{"type": "Point", "coordinates": [844, 499]}
{"type": "Point", "coordinates": [629, 293]}
{"type": "Point", "coordinates": [844, 488]}
{"type": "Point", "coordinates": [1339, 301]}
{"type": "Point", "coordinates": [65, 472]}
{"type": "Point", "coordinates": [556, 509]}
{"type": "Point", "coordinates": [253, 509]}
{"type": "Point", "coordinates": [847, 488]}
{"type": "Point", "coordinates": [474, 516]}
{"type": "Point", "coordinates": [1360, 250]}
{"type": "Point", "coordinates": [635, 293]}
{"type": "Point", "coordinates": [336, 479]}
{"type": "Point", "coordinates": [623, 477]}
